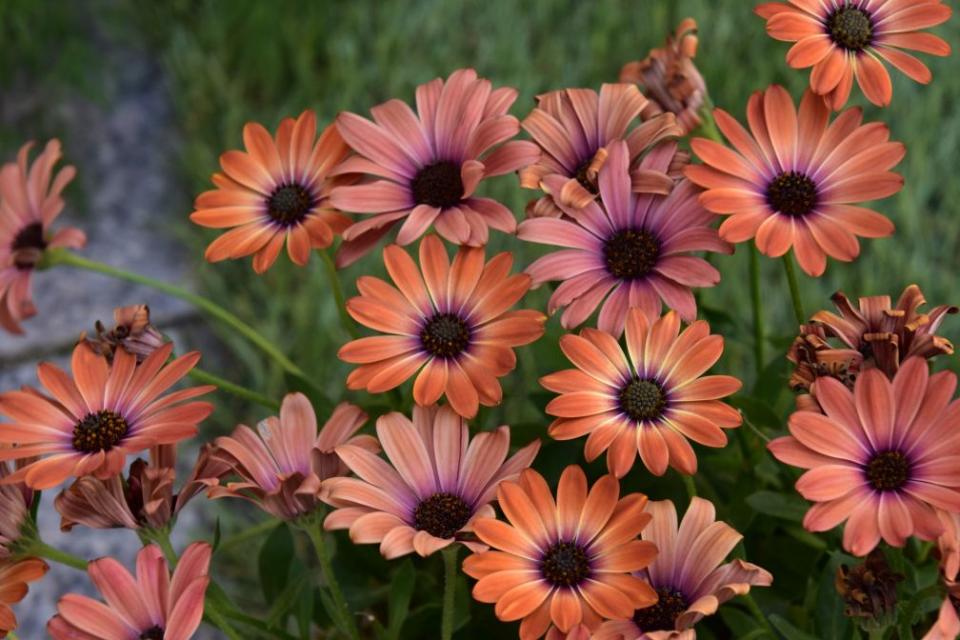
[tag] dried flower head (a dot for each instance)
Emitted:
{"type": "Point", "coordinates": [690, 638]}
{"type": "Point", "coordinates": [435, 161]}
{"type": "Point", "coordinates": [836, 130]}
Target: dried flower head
{"type": "Point", "coordinates": [131, 331]}
{"type": "Point", "coordinates": [869, 590]}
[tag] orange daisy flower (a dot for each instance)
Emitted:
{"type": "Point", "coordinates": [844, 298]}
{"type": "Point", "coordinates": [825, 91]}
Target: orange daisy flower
{"type": "Point", "coordinates": [574, 127]}
{"type": "Point", "coordinates": [947, 626]}
{"type": "Point", "coordinates": [793, 182]}
{"type": "Point", "coordinates": [881, 458]}
{"type": "Point", "coordinates": [847, 39]}
{"type": "Point", "coordinates": [14, 578]}
{"type": "Point", "coordinates": [284, 464]}
{"type": "Point", "coordinates": [649, 400]}
{"type": "Point", "coordinates": [275, 192]}
{"type": "Point", "coordinates": [152, 604]}
{"type": "Point", "coordinates": [669, 77]}
{"type": "Point", "coordinates": [439, 482]}
{"type": "Point", "coordinates": [29, 204]}
{"type": "Point", "coordinates": [425, 167]}
{"type": "Point", "coordinates": [451, 324]}
{"type": "Point", "coordinates": [686, 574]}
{"type": "Point", "coordinates": [564, 562]}
{"type": "Point", "coordinates": [93, 420]}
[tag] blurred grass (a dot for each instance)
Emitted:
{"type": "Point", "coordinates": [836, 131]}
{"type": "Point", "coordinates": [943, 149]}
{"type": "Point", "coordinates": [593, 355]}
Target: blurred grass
{"type": "Point", "coordinates": [229, 62]}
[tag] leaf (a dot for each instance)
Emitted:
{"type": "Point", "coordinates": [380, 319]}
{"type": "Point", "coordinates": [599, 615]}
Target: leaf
{"type": "Point", "coordinates": [401, 591]}
{"type": "Point", "coordinates": [789, 631]}
{"type": "Point", "coordinates": [780, 505]}
{"type": "Point", "coordinates": [305, 613]}
{"type": "Point", "coordinates": [332, 610]}
{"type": "Point", "coordinates": [287, 600]}
{"type": "Point", "coordinates": [831, 622]}
{"type": "Point", "coordinates": [276, 556]}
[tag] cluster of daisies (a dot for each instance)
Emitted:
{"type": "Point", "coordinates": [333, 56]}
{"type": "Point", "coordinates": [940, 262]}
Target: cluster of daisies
{"type": "Point", "coordinates": [632, 219]}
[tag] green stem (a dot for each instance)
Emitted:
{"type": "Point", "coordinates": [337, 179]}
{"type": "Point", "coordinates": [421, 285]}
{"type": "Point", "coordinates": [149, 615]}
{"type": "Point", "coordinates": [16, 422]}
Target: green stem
{"type": "Point", "coordinates": [757, 307]}
{"type": "Point", "coordinates": [345, 320]}
{"type": "Point", "coordinates": [247, 534]}
{"type": "Point", "coordinates": [314, 529]}
{"type": "Point", "coordinates": [42, 549]}
{"type": "Point", "coordinates": [449, 590]}
{"type": "Point", "coordinates": [877, 634]}
{"type": "Point", "coordinates": [234, 389]}
{"type": "Point", "coordinates": [757, 613]}
{"type": "Point", "coordinates": [57, 257]}
{"type": "Point", "coordinates": [690, 486]}
{"type": "Point", "coordinates": [219, 620]}
{"type": "Point", "coordinates": [794, 288]}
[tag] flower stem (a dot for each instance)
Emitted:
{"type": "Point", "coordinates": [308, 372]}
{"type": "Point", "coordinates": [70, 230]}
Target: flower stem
{"type": "Point", "coordinates": [42, 549]}
{"type": "Point", "coordinates": [247, 534]}
{"type": "Point", "coordinates": [219, 620]}
{"type": "Point", "coordinates": [757, 613]}
{"type": "Point", "coordinates": [314, 529]}
{"type": "Point", "coordinates": [57, 257]}
{"type": "Point", "coordinates": [234, 389]}
{"type": "Point", "coordinates": [449, 590]}
{"type": "Point", "coordinates": [794, 288]}
{"type": "Point", "coordinates": [758, 331]}
{"type": "Point", "coordinates": [689, 485]}
{"type": "Point", "coordinates": [334, 278]}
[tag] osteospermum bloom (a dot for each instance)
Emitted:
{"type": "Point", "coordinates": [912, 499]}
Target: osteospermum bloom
{"type": "Point", "coordinates": [847, 39]}
{"type": "Point", "coordinates": [880, 457]}
{"type": "Point", "coordinates": [153, 605]}
{"type": "Point", "coordinates": [14, 578]}
{"type": "Point", "coordinates": [650, 400]}
{"type": "Point", "coordinates": [275, 193]}
{"type": "Point", "coordinates": [428, 164]}
{"type": "Point", "coordinates": [574, 128]}
{"type": "Point", "coordinates": [687, 575]}
{"type": "Point", "coordinates": [792, 180]}
{"type": "Point", "coordinates": [437, 483]}
{"type": "Point", "coordinates": [947, 626]}
{"type": "Point", "coordinates": [93, 420]}
{"type": "Point", "coordinates": [451, 324]}
{"type": "Point", "coordinates": [669, 77]}
{"type": "Point", "coordinates": [30, 201]}
{"type": "Point", "coordinates": [144, 500]}
{"type": "Point", "coordinates": [131, 331]}
{"type": "Point", "coordinates": [886, 335]}
{"type": "Point", "coordinates": [632, 246]}
{"type": "Point", "coordinates": [564, 562]}
{"type": "Point", "coordinates": [284, 464]}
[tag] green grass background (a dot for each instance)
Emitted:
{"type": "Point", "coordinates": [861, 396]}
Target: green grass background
{"type": "Point", "coordinates": [229, 62]}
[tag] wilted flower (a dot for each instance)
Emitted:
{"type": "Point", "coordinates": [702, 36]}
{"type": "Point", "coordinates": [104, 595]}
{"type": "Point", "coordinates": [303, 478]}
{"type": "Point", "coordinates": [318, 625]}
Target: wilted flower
{"type": "Point", "coordinates": [14, 580]}
{"type": "Point", "coordinates": [869, 591]}
{"type": "Point", "coordinates": [793, 179]}
{"type": "Point", "coordinates": [29, 204]}
{"type": "Point", "coordinates": [284, 463]}
{"type": "Point", "coordinates": [93, 420]}
{"type": "Point", "coordinates": [687, 575]}
{"type": "Point", "coordinates": [563, 562]}
{"type": "Point", "coordinates": [575, 128]}
{"type": "Point", "coordinates": [439, 482]}
{"type": "Point", "coordinates": [154, 605]}
{"type": "Point", "coordinates": [670, 79]}
{"type": "Point", "coordinates": [881, 457]}
{"type": "Point", "coordinates": [429, 164]}
{"type": "Point", "coordinates": [844, 39]}
{"type": "Point", "coordinates": [145, 500]}
{"type": "Point", "coordinates": [16, 500]}
{"type": "Point", "coordinates": [813, 357]}
{"type": "Point", "coordinates": [131, 331]}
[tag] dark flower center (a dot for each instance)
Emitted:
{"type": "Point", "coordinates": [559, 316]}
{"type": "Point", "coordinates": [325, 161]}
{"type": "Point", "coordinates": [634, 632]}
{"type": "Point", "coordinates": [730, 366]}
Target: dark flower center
{"type": "Point", "coordinates": [445, 335]}
{"type": "Point", "coordinates": [290, 204]}
{"type": "Point", "coordinates": [792, 194]}
{"type": "Point", "coordinates": [663, 615]}
{"type": "Point", "coordinates": [153, 633]}
{"type": "Point", "coordinates": [643, 400]}
{"type": "Point", "coordinates": [30, 237]}
{"type": "Point", "coordinates": [888, 471]}
{"type": "Point", "coordinates": [441, 515]}
{"type": "Point", "coordinates": [99, 431]}
{"type": "Point", "coordinates": [850, 27]}
{"type": "Point", "coordinates": [581, 176]}
{"type": "Point", "coordinates": [631, 254]}
{"type": "Point", "coordinates": [565, 564]}
{"type": "Point", "coordinates": [438, 185]}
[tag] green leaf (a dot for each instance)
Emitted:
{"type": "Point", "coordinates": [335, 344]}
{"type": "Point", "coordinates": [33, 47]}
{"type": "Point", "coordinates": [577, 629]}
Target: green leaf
{"type": "Point", "coordinates": [332, 610]}
{"type": "Point", "coordinates": [831, 622]}
{"type": "Point", "coordinates": [401, 591]}
{"type": "Point", "coordinates": [276, 556]}
{"type": "Point", "coordinates": [780, 505]}
{"type": "Point", "coordinates": [305, 613]}
{"type": "Point", "coordinates": [789, 631]}
{"type": "Point", "coordinates": [287, 600]}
